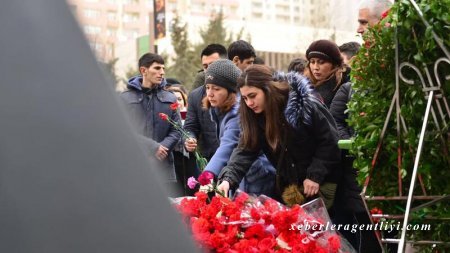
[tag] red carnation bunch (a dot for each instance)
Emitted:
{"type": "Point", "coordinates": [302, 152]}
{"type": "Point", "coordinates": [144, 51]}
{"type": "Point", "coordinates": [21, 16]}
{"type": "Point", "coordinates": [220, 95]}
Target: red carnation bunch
{"type": "Point", "coordinates": [259, 224]}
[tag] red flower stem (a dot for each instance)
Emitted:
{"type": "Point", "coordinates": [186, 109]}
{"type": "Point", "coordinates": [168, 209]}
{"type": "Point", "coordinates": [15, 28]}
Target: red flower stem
{"type": "Point", "coordinates": [186, 136]}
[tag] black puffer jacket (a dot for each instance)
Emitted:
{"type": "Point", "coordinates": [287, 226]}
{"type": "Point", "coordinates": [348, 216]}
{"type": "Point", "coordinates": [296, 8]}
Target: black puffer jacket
{"type": "Point", "coordinates": [338, 109]}
{"type": "Point", "coordinates": [348, 191]}
{"type": "Point", "coordinates": [199, 123]}
{"type": "Point", "coordinates": [312, 150]}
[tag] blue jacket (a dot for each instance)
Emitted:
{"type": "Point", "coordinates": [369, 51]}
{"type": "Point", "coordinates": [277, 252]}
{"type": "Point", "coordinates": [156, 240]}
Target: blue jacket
{"type": "Point", "coordinates": [144, 111]}
{"type": "Point", "coordinates": [260, 179]}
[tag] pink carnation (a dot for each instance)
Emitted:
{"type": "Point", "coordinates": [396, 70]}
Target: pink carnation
{"type": "Point", "coordinates": [191, 183]}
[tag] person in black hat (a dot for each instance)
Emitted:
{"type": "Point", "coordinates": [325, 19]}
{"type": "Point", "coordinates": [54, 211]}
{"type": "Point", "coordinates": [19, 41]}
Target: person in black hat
{"type": "Point", "coordinates": [330, 79]}
{"type": "Point", "coordinates": [325, 69]}
{"type": "Point", "coordinates": [222, 102]}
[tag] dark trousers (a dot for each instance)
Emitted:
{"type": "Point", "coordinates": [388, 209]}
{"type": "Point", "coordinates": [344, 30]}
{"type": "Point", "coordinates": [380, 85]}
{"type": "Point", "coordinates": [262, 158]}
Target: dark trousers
{"type": "Point", "coordinates": [362, 240]}
{"type": "Point", "coordinates": [349, 209]}
{"type": "Point", "coordinates": [184, 169]}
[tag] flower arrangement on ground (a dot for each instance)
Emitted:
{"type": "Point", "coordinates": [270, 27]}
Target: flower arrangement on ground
{"type": "Point", "coordinates": [259, 224]}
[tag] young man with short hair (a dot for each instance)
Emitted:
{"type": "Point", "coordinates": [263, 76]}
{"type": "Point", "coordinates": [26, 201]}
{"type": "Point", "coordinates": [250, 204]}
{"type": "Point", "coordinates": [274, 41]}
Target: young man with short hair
{"type": "Point", "coordinates": [145, 98]}
{"type": "Point", "coordinates": [349, 50]}
{"type": "Point", "coordinates": [242, 54]}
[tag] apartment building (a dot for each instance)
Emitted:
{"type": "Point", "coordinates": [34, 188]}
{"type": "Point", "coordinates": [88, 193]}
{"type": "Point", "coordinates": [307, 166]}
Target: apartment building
{"type": "Point", "coordinates": [279, 29]}
{"type": "Point", "coordinates": [108, 23]}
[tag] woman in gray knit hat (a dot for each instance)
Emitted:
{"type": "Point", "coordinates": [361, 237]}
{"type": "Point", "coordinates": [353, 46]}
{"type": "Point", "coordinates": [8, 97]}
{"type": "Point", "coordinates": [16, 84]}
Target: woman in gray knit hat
{"type": "Point", "coordinates": [222, 102]}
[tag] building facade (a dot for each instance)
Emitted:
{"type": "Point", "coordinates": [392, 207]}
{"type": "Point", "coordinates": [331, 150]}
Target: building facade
{"type": "Point", "coordinates": [279, 29]}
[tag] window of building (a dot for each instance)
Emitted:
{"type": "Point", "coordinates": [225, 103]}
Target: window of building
{"type": "Point", "coordinates": [283, 18]}
{"type": "Point", "coordinates": [256, 4]}
{"type": "Point", "coordinates": [197, 7]}
{"type": "Point", "coordinates": [131, 17]}
{"type": "Point", "coordinates": [112, 16]}
{"type": "Point", "coordinates": [257, 15]}
{"type": "Point", "coordinates": [90, 29]}
{"type": "Point", "coordinates": [131, 33]}
{"type": "Point", "coordinates": [90, 13]}
{"type": "Point", "coordinates": [130, 1]}
{"type": "Point", "coordinates": [95, 46]}
{"type": "Point", "coordinates": [111, 32]}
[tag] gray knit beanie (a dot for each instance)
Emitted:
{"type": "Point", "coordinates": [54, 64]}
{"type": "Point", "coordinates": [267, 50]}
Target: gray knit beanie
{"type": "Point", "coordinates": [223, 73]}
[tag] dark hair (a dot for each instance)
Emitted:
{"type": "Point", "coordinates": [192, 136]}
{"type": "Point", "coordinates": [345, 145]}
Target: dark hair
{"type": "Point", "coordinates": [214, 48]}
{"type": "Point", "coordinates": [350, 48]}
{"type": "Point", "coordinates": [276, 96]}
{"type": "Point", "coordinates": [336, 72]}
{"type": "Point", "coordinates": [259, 60]}
{"type": "Point", "coordinates": [298, 65]}
{"type": "Point", "coordinates": [179, 88]}
{"type": "Point", "coordinates": [241, 49]}
{"type": "Point", "coordinates": [172, 81]}
{"type": "Point", "coordinates": [148, 59]}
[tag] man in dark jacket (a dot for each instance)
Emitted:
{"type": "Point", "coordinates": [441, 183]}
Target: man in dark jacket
{"type": "Point", "coordinates": [198, 121]}
{"type": "Point", "coordinates": [145, 99]}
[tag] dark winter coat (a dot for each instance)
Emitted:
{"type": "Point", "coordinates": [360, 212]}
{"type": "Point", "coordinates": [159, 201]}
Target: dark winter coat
{"type": "Point", "coordinates": [338, 109]}
{"type": "Point", "coordinates": [311, 146]}
{"type": "Point", "coordinates": [199, 125]}
{"type": "Point", "coordinates": [328, 89]}
{"type": "Point", "coordinates": [143, 109]}
{"type": "Point", "coordinates": [348, 191]}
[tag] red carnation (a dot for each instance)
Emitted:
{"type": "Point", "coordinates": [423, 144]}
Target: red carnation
{"type": "Point", "coordinates": [267, 243]}
{"type": "Point", "coordinates": [200, 225]}
{"type": "Point", "coordinates": [255, 214]}
{"type": "Point", "coordinates": [163, 116]}
{"type": "Point", "coordinates": [256, 230]}
{"type": "Point", "coordinates": [335, 243]}
{"type": "Point", "coordinates": [174, 106]}
{"type": "Point", "coordinates": [205, 178]}
{"type": "Point", "coordinates": [385, 14]}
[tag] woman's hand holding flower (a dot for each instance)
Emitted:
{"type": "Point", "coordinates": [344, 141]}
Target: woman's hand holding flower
{"type": "Point", "coordinates": [190, 144]}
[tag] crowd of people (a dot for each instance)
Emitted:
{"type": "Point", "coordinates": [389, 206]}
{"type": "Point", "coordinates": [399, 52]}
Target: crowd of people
{"type": "Point", "coordinates": [262, 131]}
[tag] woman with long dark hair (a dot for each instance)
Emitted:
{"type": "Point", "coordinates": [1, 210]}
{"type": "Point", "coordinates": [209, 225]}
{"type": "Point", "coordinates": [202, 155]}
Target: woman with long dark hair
{"type": "Point", "coordinates": [281, 117]}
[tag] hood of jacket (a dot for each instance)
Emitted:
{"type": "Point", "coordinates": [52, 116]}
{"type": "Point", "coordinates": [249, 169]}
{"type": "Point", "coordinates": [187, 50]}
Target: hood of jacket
{"type": "Point", "coordinates": [136, 83]}
{"type": "Point", "coordinates": [301, 99]}
{"type": "Point", "coordinates": [221, 118]}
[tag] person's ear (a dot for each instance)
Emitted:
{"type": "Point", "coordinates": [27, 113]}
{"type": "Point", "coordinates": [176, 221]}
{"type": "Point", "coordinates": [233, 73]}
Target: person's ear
{"type": "Point", "coordinates": [236, 60]}
{"type": "Point", "coordinates": [142, 70]}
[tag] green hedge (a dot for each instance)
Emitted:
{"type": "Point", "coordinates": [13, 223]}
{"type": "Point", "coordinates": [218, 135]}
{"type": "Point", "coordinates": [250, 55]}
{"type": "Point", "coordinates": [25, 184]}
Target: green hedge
{"type": "Point", "coordinates": [374, 84]}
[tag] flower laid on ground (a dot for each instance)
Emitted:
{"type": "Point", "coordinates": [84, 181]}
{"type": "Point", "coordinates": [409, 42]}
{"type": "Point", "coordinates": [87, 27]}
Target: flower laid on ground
{"type": "Point", "coordinates": [258, 224]}
{"type": "Point", "coordinates": [201, 161]}
{"type": "Point", "coordinates": [206, 181]}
